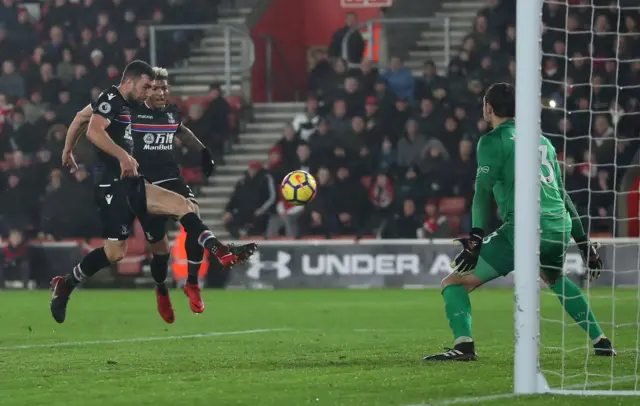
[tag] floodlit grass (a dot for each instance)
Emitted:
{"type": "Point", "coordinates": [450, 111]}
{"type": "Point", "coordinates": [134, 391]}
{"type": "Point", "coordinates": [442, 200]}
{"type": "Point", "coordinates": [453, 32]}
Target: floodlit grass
{"type": "Point", "coordinates": [311, 348]}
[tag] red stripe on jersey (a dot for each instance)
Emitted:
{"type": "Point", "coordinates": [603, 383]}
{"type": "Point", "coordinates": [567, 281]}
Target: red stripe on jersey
{"type": "Point", "coordinates": [155, 126]}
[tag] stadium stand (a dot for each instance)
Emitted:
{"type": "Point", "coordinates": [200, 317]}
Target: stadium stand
{"type": "Point", "coordinates": [55, 57]}
{"type": "Point", "coordinates": [394, 154]}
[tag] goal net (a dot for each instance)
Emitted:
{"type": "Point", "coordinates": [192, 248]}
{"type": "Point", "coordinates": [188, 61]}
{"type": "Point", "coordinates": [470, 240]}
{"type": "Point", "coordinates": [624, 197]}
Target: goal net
{"type": "Point", "coordinates": [590, 110]}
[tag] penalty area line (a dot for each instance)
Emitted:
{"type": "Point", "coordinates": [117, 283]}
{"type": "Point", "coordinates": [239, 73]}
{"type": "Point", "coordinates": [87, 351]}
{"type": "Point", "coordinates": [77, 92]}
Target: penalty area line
{"type": "Point", "coordinates": [143, 339]}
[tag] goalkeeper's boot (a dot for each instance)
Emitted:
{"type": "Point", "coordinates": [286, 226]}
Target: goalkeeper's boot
{"type": "Point", "coordinates": [604, 348]}
{"type": "Point", "coordinates": [59, 298]}
{"type": "Point", "coordinates": [459, 352]}
{"type": "Point", "coordinates": [165, 308]}
{"type": "Point", "coordinates": [192, 290]}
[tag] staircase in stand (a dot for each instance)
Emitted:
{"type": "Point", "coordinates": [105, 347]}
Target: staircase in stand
{"type": "Point", "coordinates": [254, 143]}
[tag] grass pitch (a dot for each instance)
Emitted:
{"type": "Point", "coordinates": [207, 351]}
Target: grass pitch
{"type": "Point", "coordinates": [291, 348]}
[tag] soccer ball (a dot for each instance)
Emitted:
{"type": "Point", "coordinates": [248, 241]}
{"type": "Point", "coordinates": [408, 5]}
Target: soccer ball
{"type": "Point", "coordinates": [298, 188]}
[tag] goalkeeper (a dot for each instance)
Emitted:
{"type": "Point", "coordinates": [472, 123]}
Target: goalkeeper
{"type": "Point", "coordinates": [483, 259]}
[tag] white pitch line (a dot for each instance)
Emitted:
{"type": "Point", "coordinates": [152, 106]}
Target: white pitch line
{"type": "Point", "coordinates": [142, 339]}
{"type": "Point", "coordinates": [475, 399]}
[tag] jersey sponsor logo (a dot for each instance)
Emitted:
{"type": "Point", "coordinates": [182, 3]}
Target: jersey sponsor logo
{"type": "Point", "coordinates": [108, 198]}
{"type": "Point", "coordinates": [104, 107]}
{"type": "Point", "coordinates": [110, 96]}
{"type": "Point", "coordinates": [158, 142]}
{"type": "Point", "coordinates": [171, 119]}
{"type": "Point", "coordinates": [482, 169]}
{"type": "Point", "coordinates": [124, 229]}
{"type": "Point", "coordinates": [127, 133]}
{"type": "Point", "coordinates": [143, 116]}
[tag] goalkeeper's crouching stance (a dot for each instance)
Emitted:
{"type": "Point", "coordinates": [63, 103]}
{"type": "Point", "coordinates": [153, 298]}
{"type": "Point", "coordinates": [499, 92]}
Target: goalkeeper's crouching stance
{"type": "Point", "coordinates": [484, 258]}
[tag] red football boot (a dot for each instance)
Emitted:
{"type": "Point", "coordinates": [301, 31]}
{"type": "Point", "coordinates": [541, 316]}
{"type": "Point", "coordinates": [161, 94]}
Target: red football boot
{"type": "Point", "coordinates": [165, 308]}
{"type": "Point", "coordinates": [192, 290]}
{"type": "Point", "coordinates": [59, 299]}
{"type": "Point", "coordinates": [229, 255]}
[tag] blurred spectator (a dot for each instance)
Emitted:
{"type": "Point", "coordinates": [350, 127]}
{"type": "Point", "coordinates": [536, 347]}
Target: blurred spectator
{"type": "Point", "coordinates": [367, 75]}
{"type": "Point", "coordinates": [11, 82]}
{"type": "Point", "coordinates": [429, 81]}
{"type": "Point", "coordinates": [322, 144]}
{"type": "Point", "coordinates": [435, 225]}
{"type": "Point", "coordinates": [15, 259]}
{"type": "Point", "coordinates": [407, 222]}
{"type": "Point", "coordinates": [217, 117]}
{"type": "Point", "coordinates": [464, 170]}
{"type": "Point", "coordinates": [353, 97]}
{"type": "Point", "coordinates": [602, 204]}
{"type": "Point", "coordinates": [411, 146]}
{"type": "Point", "coordinates": [338, 120]}
{"type": "Point", "coordinates": [381, 197]}
{"type": "Point", "coordinates": [316, 218]}
{"type": "Point", "coordinates": [289, 147]}
{"type": "Point", "coordinates": [321, 73]}
{"type": "Point", "coordinates": [33, 108]}
{"type": "Point", "coordinates": [399, 79]}
{"type": "Point", "coordinates": [248, 208]}
{"type": "Point", "coordinates": [355, 42]}
{"type": "Point", "coordinates": [347, 202]}
{"type": "Point", "coordinates": [304, 124]}
{"type": "Point", "coordinates": [20, 134]}
{"type": "Point", "coordinates": [65, 71]}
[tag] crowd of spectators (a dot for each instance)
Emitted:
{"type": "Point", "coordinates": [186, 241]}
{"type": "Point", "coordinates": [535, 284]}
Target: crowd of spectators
{"type": "Point", "coordinates": [55, 58]}
{"type": "Point", "coordinates": [393, 154]}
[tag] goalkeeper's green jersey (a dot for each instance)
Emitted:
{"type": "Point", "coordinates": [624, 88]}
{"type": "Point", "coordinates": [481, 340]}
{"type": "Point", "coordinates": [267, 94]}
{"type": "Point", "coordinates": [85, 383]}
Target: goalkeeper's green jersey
{"type": "Point", "coordinates": [496, 173]}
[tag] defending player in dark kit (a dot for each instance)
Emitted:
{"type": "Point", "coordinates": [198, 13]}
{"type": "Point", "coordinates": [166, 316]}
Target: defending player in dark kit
{"type": "Point", "coordinates": [121, 194]}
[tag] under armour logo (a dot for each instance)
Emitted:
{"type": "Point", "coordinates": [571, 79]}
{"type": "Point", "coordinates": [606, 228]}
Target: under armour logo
{"type": "Point", "coordinates": [108, 198]}
{"type": "Point", "coordinates": [280, 265]}
{"type": "Point", "coordinates": [110, 96]}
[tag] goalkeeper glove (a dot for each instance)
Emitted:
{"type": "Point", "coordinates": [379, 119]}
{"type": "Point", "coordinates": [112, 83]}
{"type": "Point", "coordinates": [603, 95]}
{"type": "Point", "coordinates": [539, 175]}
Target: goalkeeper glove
{"type": "Point", "coordinates": [590, 256]}
{"type": "Point", "coordinates": [465, 262]}
{"type": "Point", "coordinates": [207, 162]}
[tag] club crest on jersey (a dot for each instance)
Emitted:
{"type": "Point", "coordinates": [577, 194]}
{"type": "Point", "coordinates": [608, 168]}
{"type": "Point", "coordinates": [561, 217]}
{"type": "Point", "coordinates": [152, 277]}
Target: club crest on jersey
{"type": "Point", "coordinates": [170, 118]}
{"type": "Point", "coordinates": [148, 138]}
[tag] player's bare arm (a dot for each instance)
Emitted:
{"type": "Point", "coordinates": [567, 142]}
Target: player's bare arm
{"type": "Point", "coordinates": [190, 140]}
{"type": "Point", "coordinates": [97, 134]}
{"type": "Point", "coordinates": [77, 129]}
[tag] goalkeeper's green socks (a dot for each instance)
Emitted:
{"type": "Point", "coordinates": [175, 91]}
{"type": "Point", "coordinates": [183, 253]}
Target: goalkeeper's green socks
{"type": "Point", "coordinates": [457, 306]}
{"type": "Point", "coordinates": [576, 305]}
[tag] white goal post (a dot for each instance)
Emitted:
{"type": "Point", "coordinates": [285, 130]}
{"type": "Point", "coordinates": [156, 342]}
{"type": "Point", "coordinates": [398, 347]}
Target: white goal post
{"type": "Point", "coordinates": [529, 371]}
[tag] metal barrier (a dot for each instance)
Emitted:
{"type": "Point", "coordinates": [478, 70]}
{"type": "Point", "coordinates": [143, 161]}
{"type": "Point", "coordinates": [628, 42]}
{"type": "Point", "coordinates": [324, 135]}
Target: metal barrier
{"type": "Point", "coordinates": [446, 27]}
{"type": "Point", "coordinates": [273, 51]}
{"type": "Point", "coordinates": [227, 65]}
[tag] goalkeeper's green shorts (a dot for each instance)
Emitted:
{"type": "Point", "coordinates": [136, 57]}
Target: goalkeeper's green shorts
{"type": "Point", "coordinates": [496, 254]}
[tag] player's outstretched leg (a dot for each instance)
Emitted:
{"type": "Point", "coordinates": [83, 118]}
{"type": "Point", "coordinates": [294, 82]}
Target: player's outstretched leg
{"type": "Point", "coordinates": [455, 292]}
{"type": "Point", "coordinates": [159, 271]}
{"type": "Point", "coordinates": [163, 202]}
{"type": "Point", "coordinates": [575, 304]}
{"type": "Point", "coordinates": [195, 253]}
{"type": "Point", "coordinates": [99, 258]}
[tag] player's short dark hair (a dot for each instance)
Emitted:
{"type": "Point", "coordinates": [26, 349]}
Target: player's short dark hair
{"type": "Point", "coordinates": [502, 98]}
{"type": "Point", "coordinates": [135, 70]}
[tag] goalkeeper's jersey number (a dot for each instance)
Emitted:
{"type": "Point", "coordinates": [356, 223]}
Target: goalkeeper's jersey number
{"type": "Point", "coordinates": [546, 166]}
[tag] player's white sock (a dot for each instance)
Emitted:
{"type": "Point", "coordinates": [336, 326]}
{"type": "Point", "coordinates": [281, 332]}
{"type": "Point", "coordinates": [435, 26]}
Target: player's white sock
{"type": "Point", "coordinates": [463, 339]}
{"type": "Point", "coordinates": [595, 341]}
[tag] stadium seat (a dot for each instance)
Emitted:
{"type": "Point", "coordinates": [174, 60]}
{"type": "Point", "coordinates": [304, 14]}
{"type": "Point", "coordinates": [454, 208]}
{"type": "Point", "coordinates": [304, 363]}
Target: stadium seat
{"type": "Point", "coordinates": [192, 175]}
{"type": "Point", "coordinates": [130, 265]}
{"type": "Point", "coordinates": [313, 237]}
{"type": "Point", "coordinates": [95, 243]}
{"type": "Point", "coordinates": [366, 181]}
{"type": "Point", "coordinates": [452, 206]}
{"type": "Point", "coordinates": [454, 224]}
{"type": "Point", "coordinates": [344, 237]}
{"type": "Point", "coordinates": [368, 237]}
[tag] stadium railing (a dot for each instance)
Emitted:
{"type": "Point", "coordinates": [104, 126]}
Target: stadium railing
{"type": "Point", "coordinates": [369, 25]}
{"type": "Point", "coordinates": [229, 64]}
